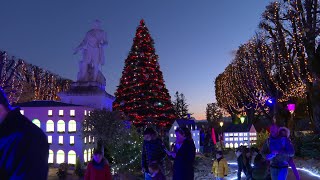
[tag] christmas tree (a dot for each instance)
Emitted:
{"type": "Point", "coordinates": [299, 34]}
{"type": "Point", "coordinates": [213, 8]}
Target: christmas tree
{"type": "Point", "coordinates": [142, 95]}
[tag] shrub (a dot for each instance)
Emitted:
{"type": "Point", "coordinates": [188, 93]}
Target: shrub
{"type": "Point", "coordinates": [310, 146]}
{"type": "Point", "coordinates": [62, 171]}
{"type": "Point", "coordinates": [78, 168]}
{"type": "Point", "coordinates": [262, 137]}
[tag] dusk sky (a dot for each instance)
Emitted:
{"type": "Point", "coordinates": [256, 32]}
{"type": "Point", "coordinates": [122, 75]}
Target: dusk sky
{"type": "Point", "coordinates": [194, 39]}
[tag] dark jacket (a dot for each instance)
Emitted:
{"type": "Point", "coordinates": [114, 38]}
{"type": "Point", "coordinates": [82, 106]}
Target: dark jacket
{"type": "Point", "coordinates": [260, 168]}
{"type": "Point", "coordinates": [243, 166]}
{"type": "Point", "coordinates": [184, 161]}
{"type": "Point", "coordinates": [98, 171]}
{"type": "Point", "coordinates": [24, 149]}
{"type": "Point", "coordinates": [152, 151]}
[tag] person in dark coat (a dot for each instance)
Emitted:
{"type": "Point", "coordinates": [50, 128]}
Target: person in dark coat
{"type": "Point", "coordinates": [184, 156]}
{"type": "Point", "coordinates": [152, 151]}
{"type": "Point", "coordinates": [98, 168]}
{"type": "Point", "coordinates": [24, 148]}
{"type": "Point", "coordinates": [260, 168]}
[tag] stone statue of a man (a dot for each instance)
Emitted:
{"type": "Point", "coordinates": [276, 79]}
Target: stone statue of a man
{"type": "Point", "coordinates": [92, 54]}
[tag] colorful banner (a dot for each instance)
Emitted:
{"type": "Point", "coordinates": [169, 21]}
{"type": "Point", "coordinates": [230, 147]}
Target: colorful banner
{"type": "Point", "coordinates": [213, 135]}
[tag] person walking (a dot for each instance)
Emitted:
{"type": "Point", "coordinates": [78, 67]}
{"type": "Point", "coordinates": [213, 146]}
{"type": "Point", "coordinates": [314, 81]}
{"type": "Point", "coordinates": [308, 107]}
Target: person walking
{"type": "Point", "coordinates": [277, 150]}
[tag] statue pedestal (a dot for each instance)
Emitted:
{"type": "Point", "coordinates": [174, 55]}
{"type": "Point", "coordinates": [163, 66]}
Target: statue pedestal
{"type": "Point", "coordinates": [91, 94]}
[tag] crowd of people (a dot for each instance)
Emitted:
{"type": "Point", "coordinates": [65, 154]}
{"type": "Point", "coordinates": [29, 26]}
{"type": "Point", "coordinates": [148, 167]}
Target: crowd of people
{"type": "Point", "coordinates": [182, 153]}
{"type": "Point", "coordinates": [17, 133]}
{"type": "Point", "coordinates": [271, 162]}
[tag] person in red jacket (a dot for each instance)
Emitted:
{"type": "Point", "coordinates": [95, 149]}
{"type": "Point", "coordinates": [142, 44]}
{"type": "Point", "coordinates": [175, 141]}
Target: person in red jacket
{"type": "Point", "coordinates": [98, 168]}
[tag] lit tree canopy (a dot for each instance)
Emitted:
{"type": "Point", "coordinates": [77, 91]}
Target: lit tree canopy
{"type": "Point", "coordinates": [142, 94]}
{"type": "Point", "coordinates": [280, 62]}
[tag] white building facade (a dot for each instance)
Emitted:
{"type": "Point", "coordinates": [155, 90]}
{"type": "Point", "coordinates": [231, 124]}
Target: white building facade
{"type": "Point", "coordinates": [62, 123]}
{"type": "Point", "coordinates": [239, 135]}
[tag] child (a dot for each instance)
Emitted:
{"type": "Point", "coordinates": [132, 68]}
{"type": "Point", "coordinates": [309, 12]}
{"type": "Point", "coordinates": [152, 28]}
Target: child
{"type": "Point", "coordinates": [98, 168]}
{"type": "Point", "coordinates": [220, 166]}
{"type": "Point", "coordinates": [285, 133]}
{"type": "Point", "coordinates": [155, 172]}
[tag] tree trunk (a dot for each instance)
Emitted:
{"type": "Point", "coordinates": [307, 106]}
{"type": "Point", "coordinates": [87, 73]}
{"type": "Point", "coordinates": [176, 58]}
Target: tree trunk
{"type": "Point", "coordinates": [313, 97]}
{"type": "Point", "coordinates": [250, 115]}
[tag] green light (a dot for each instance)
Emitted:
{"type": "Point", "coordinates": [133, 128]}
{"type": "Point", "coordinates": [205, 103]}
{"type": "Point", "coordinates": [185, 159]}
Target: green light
{"type": "Point", "coordinates": [242, 118]}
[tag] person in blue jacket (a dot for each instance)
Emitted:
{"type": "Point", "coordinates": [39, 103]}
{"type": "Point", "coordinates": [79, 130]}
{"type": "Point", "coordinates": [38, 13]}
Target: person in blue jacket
{"type": "Point", "coordinates": [278, 151]}
{"type": "Point", "coordinates": [24, 148]}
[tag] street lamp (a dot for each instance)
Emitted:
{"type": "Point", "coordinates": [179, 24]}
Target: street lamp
{"type": "Point", "coordinates": [221, 124]}
{"type": "Point", "coordinates": [242, 118]}
{"type": "Point", "coordinates": [291, 107]}
{"type": "Point", "coordinates": [221, 136]}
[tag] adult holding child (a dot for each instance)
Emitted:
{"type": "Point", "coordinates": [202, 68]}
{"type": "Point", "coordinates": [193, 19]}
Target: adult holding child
{"type": "Point", "coordinates": [278, 151]}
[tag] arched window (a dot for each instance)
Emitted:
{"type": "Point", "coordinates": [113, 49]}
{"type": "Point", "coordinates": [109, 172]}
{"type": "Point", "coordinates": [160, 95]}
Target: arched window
{"type": "Point", "coordinates": [245, 144]}
{"type": "Point", "coordinates": [85, 156]}
{"type": "Point", "coordinates": [50, 126]}
{"type": "Point", "coordinates": [72, 157]}
{"type": "Point", "coordinates": [60, 157]}
{"type": "Point", "coordinates": [61, 126]}
{"type": "Point", "coordinates": [231, 145]}
{"type": "Point", "coordinates": [227, 145]}
{"type": "Point", "coordinates": [89, 154]}
{"type": "Point", "coordinates": [72, 126]}
{"type": "Point", "coordinates": [236, 145]}
{"type": "Point", "coordinates": [36, 122]}
{"type": "Point", "coordinates": [241, 144]}
{"type": "Point", "coordinates": [50, 159]}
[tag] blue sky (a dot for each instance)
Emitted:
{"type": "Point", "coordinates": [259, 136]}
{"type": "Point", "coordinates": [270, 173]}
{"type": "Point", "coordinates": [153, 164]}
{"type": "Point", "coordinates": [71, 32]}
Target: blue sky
{"type": "Point", "coordinates": [194, 39]}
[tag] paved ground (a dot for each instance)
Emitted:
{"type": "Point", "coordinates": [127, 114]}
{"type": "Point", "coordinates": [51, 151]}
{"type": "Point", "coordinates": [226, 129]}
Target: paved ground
{"type": "Point", "coordinates": [53, 176]}
{"type": "Point", "coordinates": [201, 175]}
{"type": "Point", "coordinates": [303, 174]}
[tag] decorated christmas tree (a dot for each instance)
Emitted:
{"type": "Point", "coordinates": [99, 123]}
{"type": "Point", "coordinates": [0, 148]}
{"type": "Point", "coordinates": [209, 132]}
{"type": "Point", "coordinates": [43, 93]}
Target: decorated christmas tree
{"type": "Point", "coordinates": [142, 95]}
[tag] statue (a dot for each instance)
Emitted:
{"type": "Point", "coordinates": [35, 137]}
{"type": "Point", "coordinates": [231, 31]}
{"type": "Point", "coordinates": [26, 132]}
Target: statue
{"type": "Point", "coordinates": [92, 55]}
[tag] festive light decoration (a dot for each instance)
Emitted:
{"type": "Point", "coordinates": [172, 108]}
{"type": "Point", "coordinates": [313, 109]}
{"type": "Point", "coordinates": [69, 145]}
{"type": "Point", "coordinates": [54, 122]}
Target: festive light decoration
{"type": "Point", "coordinates": [11, 77]}
{"type": "Point", "coordinates": [276, 63]}
{"type": "Point", "coordinates": [291, 108]}
{"type": "Point", "coordinates": [242, 119]}
{"type": "Point", "coordinates": [142, 94]}
{"type": "Point", "coordinates": [19, 77]}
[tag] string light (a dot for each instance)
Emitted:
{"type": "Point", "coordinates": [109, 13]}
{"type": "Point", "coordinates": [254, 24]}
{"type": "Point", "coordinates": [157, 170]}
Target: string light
{"type": "Point", "coordinates": [275, 63]}
{"type": "Point", "coordinates": [142, 94]}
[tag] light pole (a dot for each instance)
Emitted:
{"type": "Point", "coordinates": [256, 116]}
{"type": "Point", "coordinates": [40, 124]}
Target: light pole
{"type": "Point", "coordinates": [221, 136]}
{"type": "Point", "coordinates": [291, 108]}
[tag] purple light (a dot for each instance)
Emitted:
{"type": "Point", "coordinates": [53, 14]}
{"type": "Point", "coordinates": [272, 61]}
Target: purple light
{"type": "Point", "coordinates": [291, 107]}
{"type": "Point", "coordinates": [270, 101]}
